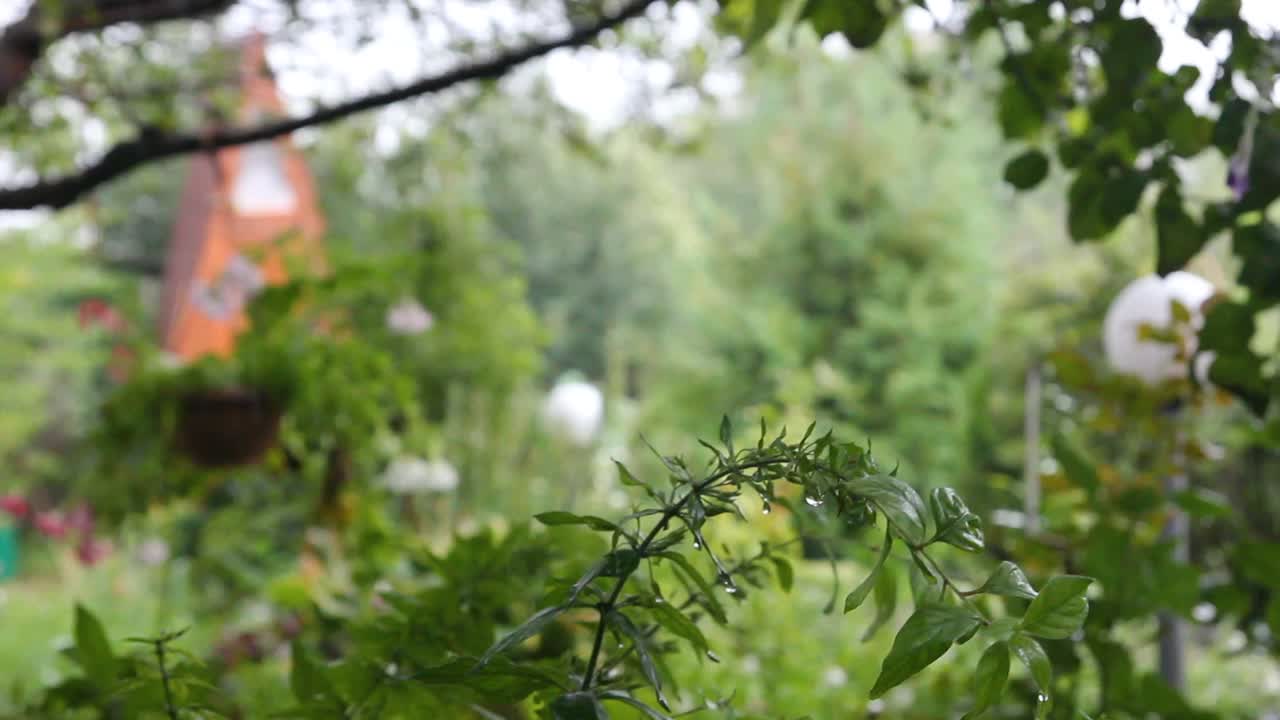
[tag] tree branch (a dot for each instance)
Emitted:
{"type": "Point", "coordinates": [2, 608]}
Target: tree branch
{"type": "Point", "coordinates": [23, 42]}
{"type": "Point", "coordinates": [125, 156]}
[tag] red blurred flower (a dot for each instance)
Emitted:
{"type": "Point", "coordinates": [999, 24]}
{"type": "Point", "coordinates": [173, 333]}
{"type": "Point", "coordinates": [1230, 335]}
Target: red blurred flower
{"type": "Point", "coordinates": [15, 505]}
{"type": "Point", "coordinates": [96, 312]}
{"type": "Point", "coordinates": [51, 524]}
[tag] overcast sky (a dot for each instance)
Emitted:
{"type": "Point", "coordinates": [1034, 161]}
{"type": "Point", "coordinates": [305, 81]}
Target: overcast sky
{"type": "Point", "coordinates": [605, 86]}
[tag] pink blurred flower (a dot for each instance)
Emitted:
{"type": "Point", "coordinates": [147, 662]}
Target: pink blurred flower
{"type": "Point", "coordinates": [81, 520]}
{"type": "Point", "coordinates": [91, 551]}
{"type": "Point", "coordinates": [408, 317]}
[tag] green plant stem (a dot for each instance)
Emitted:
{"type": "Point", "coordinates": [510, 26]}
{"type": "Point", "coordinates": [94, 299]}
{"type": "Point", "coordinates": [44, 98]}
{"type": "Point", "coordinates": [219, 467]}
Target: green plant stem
{"type": "Point", "coordinates": [668, 513]}
{"type": "Point", "coordinates": [170, 709]}
{"type": "Point", "coordinates": [949, 583]}
{"type": "Point", "coordinates": [693, 599]}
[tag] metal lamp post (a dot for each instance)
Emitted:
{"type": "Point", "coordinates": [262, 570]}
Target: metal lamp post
{"type": "Point", "coordinates": [1148, 303]}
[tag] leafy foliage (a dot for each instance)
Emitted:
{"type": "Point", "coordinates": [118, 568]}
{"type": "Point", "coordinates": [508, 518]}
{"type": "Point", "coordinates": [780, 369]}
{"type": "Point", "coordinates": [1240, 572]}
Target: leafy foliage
{"type": "Point", "coordinates": [642, 600]}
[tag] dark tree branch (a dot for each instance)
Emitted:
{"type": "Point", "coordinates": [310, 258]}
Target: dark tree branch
{"type": "Point", "coordinates": [124, 157]}
{"type": "Point", "coordinates": [23, 42]}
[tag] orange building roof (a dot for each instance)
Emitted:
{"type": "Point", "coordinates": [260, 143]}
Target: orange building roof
{"type": "Point", "coordinates": [244, 212]}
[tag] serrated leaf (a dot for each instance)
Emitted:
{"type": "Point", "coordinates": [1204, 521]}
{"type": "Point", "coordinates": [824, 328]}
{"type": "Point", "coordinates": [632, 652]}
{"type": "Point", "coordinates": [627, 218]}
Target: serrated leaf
{"type": "Point", "coordinates": [641, 643]}
{"type": "Point", "coordinates": [955, 524]}
{"type": "Point", "coordinates": [1009, 580]}
{"type": "Point", "coordinates": [676, 622]}
{"type": "Point", "coordinates": [691, 573]}
{"type": "Point", "coordinates": [528, 629]}
{"type": "Point", "coordinates": [1060, 608]}
{"type": "Point", "coordinates": [860, 593]}
{"type": "Point", "coordinates": [899, 502]}
{"type": "Point", "coordinates": [924, 637]}
{"type": "Point", "coordinates": [989, 679]}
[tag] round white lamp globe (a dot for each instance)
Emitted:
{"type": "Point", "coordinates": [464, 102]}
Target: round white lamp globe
{"type": "Point", "coordinates": [574, 410]}
{"type": "Point", "coordinates": [1149, 301]}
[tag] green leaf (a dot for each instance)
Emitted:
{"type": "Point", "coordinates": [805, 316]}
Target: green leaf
{"type": "Point", "coordinates": [786, 575]}
{"type": "Point", "coordinates": [1260, 562]}
{"type": "Point", "coordinates": [1133, 49]}
{"type": "Point", "coordinates": [677, 623]}
{"type": "Point", "coordinates": [899, 502]}
{"type": "Point", "coordinates": [620, 562]}
{"type": "Point", "coordinates": [1242, 374]}
{"type": "Point", "coordinates": [924, 638]}
{"type": "Point", "coordinates": [1034, 657]}
{"type": "Point", "coordinates": [1008, 580]}
{"type": "Point", "coordinates": [306, 679]}
{"type": "Point", "coordinates": [1115, 672]}
{"type": "Point", "coordinates": [1074, 464]}
{"type": "Point", "coordinates": [862, 23]}
{"type": "Point", "coordinates": [626, 478]}
{"type": "Point", "coordinates": [691, 573]}
{"type": "Point", "coordinates": [578, 706]}
{"type": "Point", "coordinates": [1027, 170]}
{"type": "Point", "coordinates": [93, 651]}
{"type": "Point", "coordinates": [1020, 114]}
{"type": "Point", "coordinates": [628, 700]}
{"type": "Point", "coordinates": [886, 597]}
{"type": "Point", "coordinates": [560, 517]}
{"type": "Point", "coordinates": [726, 433]}
{"type": "Point", "coordinates": [955, 524]}
{"type": "Point", "coordinates": [989, 679]}
{"type": "Point", "coordinates": [1226, 326]}
{"type": "Point", "coordinates": [860, 593]}
{"type": "Point", "coordinates": [528, 629]}
{"type": "Point", "coordinates": [764, 16]}
{"type": "Point", "coordinates": [1178, 236]}
{"type": "Point", "coordinates": [500, 680]}
{"type": "Point", "coordinates": [641, 642]}
{"type": "Point", "coordinates": [1203, 503]}
{"type": "Point", "coordinates": [1060, 608]}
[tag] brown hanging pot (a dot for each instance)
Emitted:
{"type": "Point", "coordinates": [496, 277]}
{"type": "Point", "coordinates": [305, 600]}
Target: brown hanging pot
{"type": "Point", "coordinates": [226, 427]}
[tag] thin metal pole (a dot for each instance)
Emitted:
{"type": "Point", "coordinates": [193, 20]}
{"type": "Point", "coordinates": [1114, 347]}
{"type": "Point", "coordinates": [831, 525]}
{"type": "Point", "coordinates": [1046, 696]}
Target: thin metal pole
{"type": "Point", "coordinates": [1172, 630]}
{"type": "Point", "coordinates": [1031, 458]}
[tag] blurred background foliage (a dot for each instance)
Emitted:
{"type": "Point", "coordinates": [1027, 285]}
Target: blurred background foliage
{"type": "Point", "coordinates": [831, 245]}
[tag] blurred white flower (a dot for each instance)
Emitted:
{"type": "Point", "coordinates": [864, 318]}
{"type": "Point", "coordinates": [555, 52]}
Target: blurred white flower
{"type": "Point", "coordinates": [574, 409]}
{"type": "Point", "coordinates": [751, 664]}
{"type": "Point", "coordinates": [1148, 301]}
{"type": "Point", "coordinates": [834, 677]}
{"type": "Point", "coordinates": [1204, 612]}
{"type": "Point", "coordinates": [412, 475]}
{"type": "Point", "coordinates": [153, 552]}
{"type": "Point", "coordinates": [409, 317]}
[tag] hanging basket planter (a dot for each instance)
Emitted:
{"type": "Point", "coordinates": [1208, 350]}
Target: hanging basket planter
{"type": "Point", "coordinates": [226, 427]}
